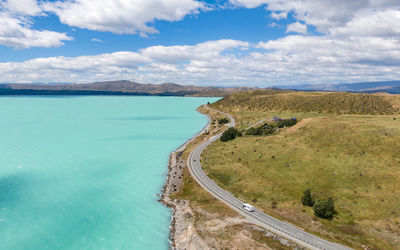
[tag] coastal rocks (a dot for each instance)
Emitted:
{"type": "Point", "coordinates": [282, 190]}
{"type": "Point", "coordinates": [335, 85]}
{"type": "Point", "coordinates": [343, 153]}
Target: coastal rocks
{"type": "Point", "coordinates": [182, 231]}
{"type": "Point", "coordinates": [186, 236]}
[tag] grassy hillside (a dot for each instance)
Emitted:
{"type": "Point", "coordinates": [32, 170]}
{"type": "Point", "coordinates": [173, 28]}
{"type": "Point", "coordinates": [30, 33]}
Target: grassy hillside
{"type": "Point", "coordinates": [338, 149]}
{"type": "Point", "coordinates": [318, 102]}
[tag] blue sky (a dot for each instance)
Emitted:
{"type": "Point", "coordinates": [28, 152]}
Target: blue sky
{"type": "Point", "coordinates": [232, 42]}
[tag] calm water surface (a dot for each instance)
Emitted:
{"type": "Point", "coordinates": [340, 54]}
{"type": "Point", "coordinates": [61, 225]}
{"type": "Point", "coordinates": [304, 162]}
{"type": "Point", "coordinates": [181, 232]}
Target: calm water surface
{"type": "Point", "coordinates": [83, 172]}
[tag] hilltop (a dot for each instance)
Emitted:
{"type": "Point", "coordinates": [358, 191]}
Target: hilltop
{"type": "Point", "coordinates": [318, 102]}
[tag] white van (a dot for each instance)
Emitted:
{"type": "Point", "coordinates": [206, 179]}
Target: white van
{"type": "Point", "coordinates": [248, 207]}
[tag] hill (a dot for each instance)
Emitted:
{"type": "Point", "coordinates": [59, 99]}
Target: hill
{"type": "Point", "coordinates": [116, 88]}
{"type": "Point", "coordinates": [318, 102]}
{"type": "Point", "coordinates": [345, 146]}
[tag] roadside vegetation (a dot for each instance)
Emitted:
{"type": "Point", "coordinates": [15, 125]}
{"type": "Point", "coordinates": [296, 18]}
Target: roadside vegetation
{"type": "Point", "coordinates": [334, 173]}
{"type": "Point", "coordinates": [215, 221]}
{"type": "Point", "coordinates": [223, 121]}
{"type": "Point", "coordinates": [230, 134]}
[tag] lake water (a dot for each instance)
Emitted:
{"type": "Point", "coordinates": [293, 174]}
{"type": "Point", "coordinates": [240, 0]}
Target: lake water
{"type": "Point", "coordinates": [84, 172]}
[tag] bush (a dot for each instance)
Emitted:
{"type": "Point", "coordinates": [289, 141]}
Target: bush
{"type": "Point", "coordinates": [262, 130]}
{"type": "Point", "coordinates": [229, 134]}
{"type": "Point", "coordinates": [325, 208]}
{"type": "Point", "coordinates": [223, 121]}
{"type": "Point", "coordinates": [286, 123]}
{"type": "Point", "coordinates": [307, 199]}
{"type": "Point", "coordinates": [254, 131]}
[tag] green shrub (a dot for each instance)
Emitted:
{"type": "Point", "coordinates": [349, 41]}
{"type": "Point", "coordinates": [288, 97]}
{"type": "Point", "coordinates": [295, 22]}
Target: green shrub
{"type": "Point", "coordinates": [229, 134]}
{"type": "Point", "coordinates": [254, 131]}
{"type": "Point", "coordinates": [286, 123]}
{"type": "Point", "coordinates": [307, 199]}
{"type": "Point", "coordinates": [223, 121]}
{"type": "Point", "coordinates": [325, 208]}
{"type": "Point", "coordinates": [262, 130]}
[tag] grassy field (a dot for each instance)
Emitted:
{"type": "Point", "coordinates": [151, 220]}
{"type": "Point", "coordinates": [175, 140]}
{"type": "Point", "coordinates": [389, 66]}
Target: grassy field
{"type": "Point", "coordinates": [353, 158]}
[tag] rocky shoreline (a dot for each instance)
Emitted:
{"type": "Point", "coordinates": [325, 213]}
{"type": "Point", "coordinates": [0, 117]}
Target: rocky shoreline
{"type": "Point", "coordinates": [182, 232]}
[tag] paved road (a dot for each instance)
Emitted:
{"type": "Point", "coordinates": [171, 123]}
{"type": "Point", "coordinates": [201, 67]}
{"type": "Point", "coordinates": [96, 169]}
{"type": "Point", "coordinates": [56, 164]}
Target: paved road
{"type": "Point", "coordinates": [255, 124]}
{"type": "Point", "coordinates": [270, 223]}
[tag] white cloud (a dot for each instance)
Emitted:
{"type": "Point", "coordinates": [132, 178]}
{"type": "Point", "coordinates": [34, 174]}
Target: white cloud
{"type": "Point", "coordinates": [328, 14]}
{"type": "Point", "coordinates": [359, 41]}
{"type": "Point", "coordinates": [371, 23]}
{"type": "Point", "coordinates": [96, 40]}
{"type": "Point", "coordinates": [123, 16]}
{"type": "Point", "coordinates": [202, 51]}
{"type": "Point", "coordinates": [279, 15]}
{"type": "Point", "coordinates": [15, 26]}
{"type": "Point", "coordinates": [290, 60]}
{"type": "Point", "coordinates": [24, 7]}
{"type": "Point", "coordinates": [15, 33]}
{"type": "Point", "coordinates": [248, 3]}
{"type": "Point", "coordinates": [150, 64]}
{"type": "Point", "coordinates": [297, 27]}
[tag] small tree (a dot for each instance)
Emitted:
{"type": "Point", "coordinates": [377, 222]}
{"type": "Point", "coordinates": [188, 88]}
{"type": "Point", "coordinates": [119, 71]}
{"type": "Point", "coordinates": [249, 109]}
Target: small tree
{"type": "Point", "coordinates": [325, 208]}
{"type": "Point", "coordinates": [229, 134]}
{"type": "Point", "coordinates": [308, 198]}
{"type": "Point", "coordinates": [223, 121]}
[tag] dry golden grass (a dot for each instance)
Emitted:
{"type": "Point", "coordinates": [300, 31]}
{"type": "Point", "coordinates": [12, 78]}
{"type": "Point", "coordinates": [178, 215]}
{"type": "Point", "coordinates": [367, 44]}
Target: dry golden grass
{"type": "Point", "coordinates": [317, 102]}
{"type": "Point", "coordinates": [352, 158]}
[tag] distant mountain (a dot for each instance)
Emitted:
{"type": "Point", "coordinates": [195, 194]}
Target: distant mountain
{"type": "Point", "coordinates": [392, 87]}
{"type": "Point", "coordinates": [116, 88]}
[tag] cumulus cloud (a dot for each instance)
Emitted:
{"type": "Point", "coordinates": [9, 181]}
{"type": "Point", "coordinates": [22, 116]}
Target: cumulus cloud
{"type": "Point", "coordinates": [358, 41]}
{"type": "Point", "coordinates": [15, 26]}
{"type": "Point", "coordinates": [297, 27]}
{"type": "Point", "coordinates": [248, 3]}
{"type": "Point", "coordinates": [381, 23]}
{"type": "Point", "coordinates": [279, 15]}
{"type": "Point", "coordinates": [123, 16]}
{"type": "Point", "coordinates": [24, 7]}
{"type": "Point", "coordinates": [16, 33]}
{"type": "Point", "coordinates": [328, 14]}
{"type": "Point", "coordinates": [148, 64]}
{"type": "Point", "coordinates": [293, 59]}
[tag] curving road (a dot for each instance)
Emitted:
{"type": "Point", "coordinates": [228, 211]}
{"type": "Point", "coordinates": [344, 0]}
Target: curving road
{"type": "Point", "coordinates": [266, 221]}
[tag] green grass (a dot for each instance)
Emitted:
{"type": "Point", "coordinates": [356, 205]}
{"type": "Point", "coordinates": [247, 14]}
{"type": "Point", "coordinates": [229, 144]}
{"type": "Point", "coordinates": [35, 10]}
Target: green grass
{"type": "Point", "coordinates": [353, 158]}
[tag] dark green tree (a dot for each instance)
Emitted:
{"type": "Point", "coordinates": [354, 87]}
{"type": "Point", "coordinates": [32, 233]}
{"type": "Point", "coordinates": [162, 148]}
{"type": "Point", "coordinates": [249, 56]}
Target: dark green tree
{"type": "Point", "coordinates": [223, 121]}
{"type": "Point", "coordinates": [307, 199]}
{"type": "Point", "coordinates": [325, 208]}
{"type": "Point", "coordinates": [286, 123]}
{"type": "Point", "coordinates": [229, 134]}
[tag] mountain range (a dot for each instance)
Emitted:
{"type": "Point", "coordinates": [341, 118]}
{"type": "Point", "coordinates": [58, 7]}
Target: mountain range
{"type": "Point", "coordinates": [116, 88]}
{"type": "Point", "coordinates": [392, 87]}
{"type": "Point", "coordinates": [172, 89]}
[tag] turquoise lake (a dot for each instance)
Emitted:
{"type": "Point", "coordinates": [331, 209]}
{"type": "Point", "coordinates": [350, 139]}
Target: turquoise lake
{"type": "Point", "coordinates": [84, 172]}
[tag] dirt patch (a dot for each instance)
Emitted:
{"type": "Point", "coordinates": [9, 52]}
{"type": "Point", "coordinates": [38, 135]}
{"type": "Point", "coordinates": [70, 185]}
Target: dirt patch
{"type": "Point", "coordinates": [298, 126]}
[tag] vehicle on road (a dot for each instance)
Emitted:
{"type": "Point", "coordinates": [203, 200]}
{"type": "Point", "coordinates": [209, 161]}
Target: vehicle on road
{"type": "Point", "coordinates": [248, 207]}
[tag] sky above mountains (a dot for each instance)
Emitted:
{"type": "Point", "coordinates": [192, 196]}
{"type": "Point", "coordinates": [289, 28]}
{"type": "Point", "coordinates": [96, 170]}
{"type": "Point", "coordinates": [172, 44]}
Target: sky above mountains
{"type": "Point", "coordinates": [220, 42]}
